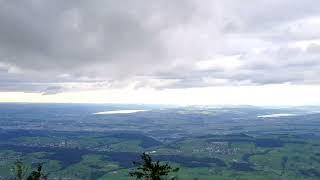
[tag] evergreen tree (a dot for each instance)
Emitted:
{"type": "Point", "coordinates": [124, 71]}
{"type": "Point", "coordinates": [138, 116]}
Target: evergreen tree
{"type": "Point", "coordinates": [38, 174]}
{"type": "Point", "coordinates": [151, 170]}
{"type": "Point", "coordinates": [20, 170]}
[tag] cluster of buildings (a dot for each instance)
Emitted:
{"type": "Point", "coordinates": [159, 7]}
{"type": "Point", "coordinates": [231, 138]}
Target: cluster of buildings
{"type": "Point", "coordinates": [60, 144]}
{"type": "Point", "coordinates": [217, 148]}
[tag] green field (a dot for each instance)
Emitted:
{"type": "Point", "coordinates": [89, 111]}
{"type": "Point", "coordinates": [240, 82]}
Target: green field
{"type": "Point", "coordinates": [234, 156]}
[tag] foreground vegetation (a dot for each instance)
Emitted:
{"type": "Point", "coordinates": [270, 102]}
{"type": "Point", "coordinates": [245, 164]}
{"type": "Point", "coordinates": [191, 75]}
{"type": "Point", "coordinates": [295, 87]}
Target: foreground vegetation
{"type": "Point", "coordinates": [147, 169]}
{"type": "Point", "coordinates": [21, 172]}
{"type": "Point", "coordinates": [234, 156]}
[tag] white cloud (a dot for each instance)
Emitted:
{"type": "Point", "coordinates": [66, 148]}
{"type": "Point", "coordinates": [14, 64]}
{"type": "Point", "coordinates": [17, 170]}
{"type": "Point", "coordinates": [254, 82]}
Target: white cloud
{"type": "Point", "coordinates": [64, 46]}
{"type": "Point", "coordinates": [226, 63]}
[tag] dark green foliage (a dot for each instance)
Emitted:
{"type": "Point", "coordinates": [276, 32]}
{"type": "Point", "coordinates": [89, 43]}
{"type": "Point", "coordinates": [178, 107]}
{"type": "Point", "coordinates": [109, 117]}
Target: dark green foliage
{"type": "Point", "coordinates": [151, 170]}
{"type": "Point", "coordinates": [20, 170]}
{"type": "Point", "coordinates": [38, 174]}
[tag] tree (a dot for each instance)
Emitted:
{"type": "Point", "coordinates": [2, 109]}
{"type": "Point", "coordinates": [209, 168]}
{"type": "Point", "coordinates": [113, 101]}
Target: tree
{"type": "Point", "coordinates": [38, 174]}
{"type": "Point", "coordinates": [20, 170]}
{"type": "Point", "coordinates": [151, 170]}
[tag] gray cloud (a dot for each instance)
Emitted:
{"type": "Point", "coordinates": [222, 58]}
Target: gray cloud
{"type": "Point", "coordinates": [54, 46]}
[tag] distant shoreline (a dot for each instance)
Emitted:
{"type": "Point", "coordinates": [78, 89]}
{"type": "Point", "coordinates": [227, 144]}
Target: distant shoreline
{"type": "Point", "coordinates": [119, 112]}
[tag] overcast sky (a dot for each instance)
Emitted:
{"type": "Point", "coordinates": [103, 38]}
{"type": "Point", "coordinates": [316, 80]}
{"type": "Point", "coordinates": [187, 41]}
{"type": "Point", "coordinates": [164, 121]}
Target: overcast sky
{"type": "Point", "coordinates": [165, 51]}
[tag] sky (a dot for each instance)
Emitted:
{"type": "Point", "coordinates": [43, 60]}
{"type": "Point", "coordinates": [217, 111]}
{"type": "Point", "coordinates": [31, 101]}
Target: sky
{"type": "Point", "coordinates": [263, 52]}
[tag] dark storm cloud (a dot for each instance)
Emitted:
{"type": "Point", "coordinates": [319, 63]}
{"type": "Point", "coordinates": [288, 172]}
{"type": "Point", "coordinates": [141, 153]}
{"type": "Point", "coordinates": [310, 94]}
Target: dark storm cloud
{"type": "Point", "coordinates": [53, 46]}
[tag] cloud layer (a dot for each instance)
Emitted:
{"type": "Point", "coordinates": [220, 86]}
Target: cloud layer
{"type": "Point", "coordinates": [54, 46]}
